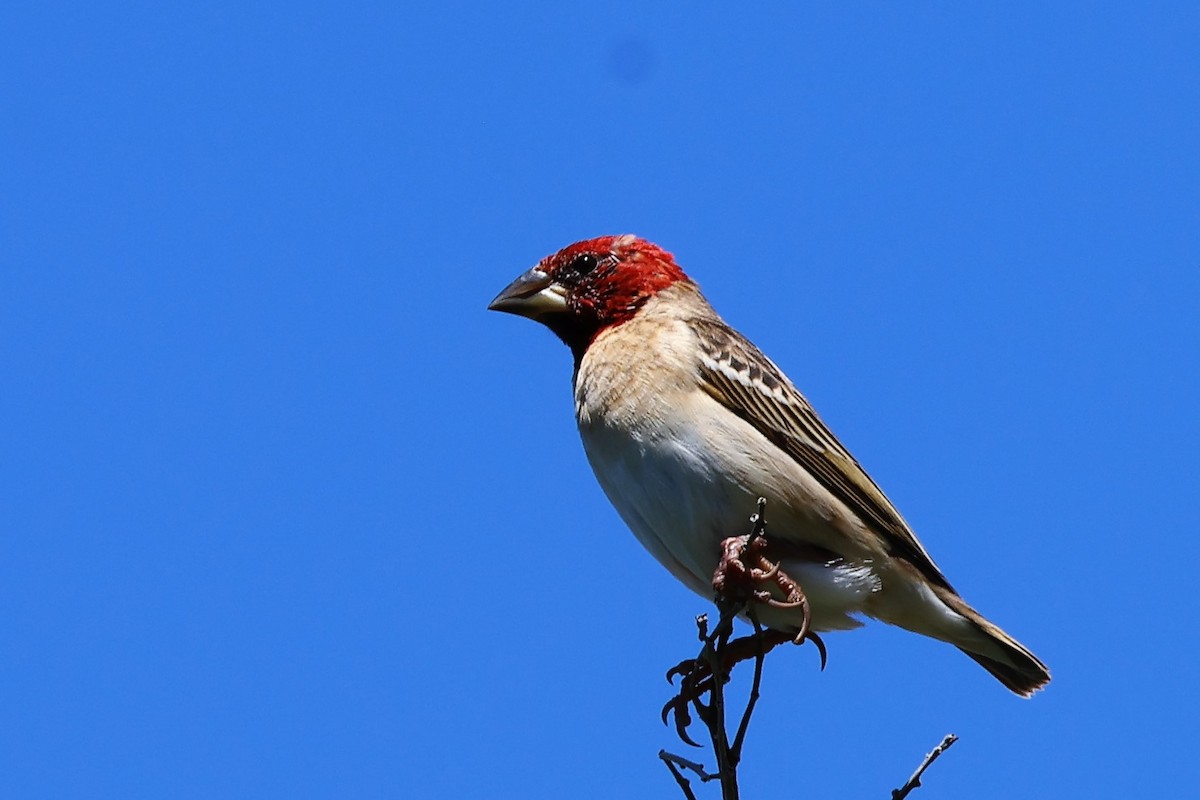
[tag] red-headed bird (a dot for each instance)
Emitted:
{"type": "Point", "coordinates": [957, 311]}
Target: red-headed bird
{"type": "Point", "coordinates": [686, 423]}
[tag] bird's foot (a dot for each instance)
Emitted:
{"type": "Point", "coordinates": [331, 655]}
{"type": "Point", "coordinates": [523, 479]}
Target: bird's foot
{"type": "Point", "coordinates": [746, 576]}
{"type": "Point", "coordinates": [696, 674]}
{"type": "Point", "coordinates": [745, 567]}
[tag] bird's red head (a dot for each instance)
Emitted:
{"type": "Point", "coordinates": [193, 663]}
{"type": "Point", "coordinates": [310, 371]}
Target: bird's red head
{"type": "Point", "coordinates": [589, 286]}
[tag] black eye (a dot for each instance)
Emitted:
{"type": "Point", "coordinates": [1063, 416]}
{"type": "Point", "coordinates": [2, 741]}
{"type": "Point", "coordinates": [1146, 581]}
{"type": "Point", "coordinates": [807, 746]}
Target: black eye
{"type": "Point", "coordinates": [583, 264]}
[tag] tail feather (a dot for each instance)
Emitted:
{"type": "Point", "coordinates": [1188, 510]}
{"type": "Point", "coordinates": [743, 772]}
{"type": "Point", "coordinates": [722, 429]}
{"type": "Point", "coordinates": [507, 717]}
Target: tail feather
{"type": "Point", "coordinates": [1003, 656]}
{"type": "Point", "coordinates": [1023, 680]}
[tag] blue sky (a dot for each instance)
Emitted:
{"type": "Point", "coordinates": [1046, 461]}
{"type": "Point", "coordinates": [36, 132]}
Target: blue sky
{"type": "Point", "coordinates": [286, 513]}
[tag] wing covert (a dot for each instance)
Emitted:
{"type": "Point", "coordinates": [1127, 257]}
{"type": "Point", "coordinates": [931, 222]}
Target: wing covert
{"type": "Point", "coordinates": [740, 377]}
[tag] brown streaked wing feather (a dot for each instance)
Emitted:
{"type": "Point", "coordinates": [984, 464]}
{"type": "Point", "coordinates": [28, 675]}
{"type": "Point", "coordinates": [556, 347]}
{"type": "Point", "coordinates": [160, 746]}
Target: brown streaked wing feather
{"type": "Point", "coordinates": [745, 381]}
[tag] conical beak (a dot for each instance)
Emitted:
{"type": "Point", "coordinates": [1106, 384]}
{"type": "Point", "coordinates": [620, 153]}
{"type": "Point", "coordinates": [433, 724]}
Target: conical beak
{"type": "Point", "coordinates": [531, 295]}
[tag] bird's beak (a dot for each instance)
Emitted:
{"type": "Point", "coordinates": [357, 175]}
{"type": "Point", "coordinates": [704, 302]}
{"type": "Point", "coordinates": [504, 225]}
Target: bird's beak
{"type": "Point", "coordinates": [531, 295]}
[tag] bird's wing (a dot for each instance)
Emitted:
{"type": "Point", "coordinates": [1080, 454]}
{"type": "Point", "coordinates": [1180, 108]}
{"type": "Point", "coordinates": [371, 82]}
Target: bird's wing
{"type": "Point", "coordinates": [737, 374]}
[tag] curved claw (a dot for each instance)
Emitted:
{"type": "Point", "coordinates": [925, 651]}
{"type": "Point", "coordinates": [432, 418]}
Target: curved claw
{"type": "Point", "coordinates": [682, 733]}
{"type": "Point", "coordinates": [760, 575]}
{"type": "Point", "coordinates": [682, 719]}
{"type": "Point", "coordinates": [682, 670]}
{"type": "Point", "coordinates": [805, 622]}
{"type": "Point", "coordinates": [820, 643]}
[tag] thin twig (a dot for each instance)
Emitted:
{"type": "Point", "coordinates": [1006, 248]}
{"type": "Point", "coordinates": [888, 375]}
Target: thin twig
{"type": "Point", "coordinates": [915, 780]}
{"type": "Point", "coordinates": [684, 784]}
{"type": "Point", "coordinates": [726, 767]}
{"type": "Point", "coordinates": [701, 773]}
{"type": "Point", "coordinates": [759, 521]}
{"type": "Point", "coordinates": [735, 752]}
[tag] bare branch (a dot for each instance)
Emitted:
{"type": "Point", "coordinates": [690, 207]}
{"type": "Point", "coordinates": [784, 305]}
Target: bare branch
{"type": "Point", "coordinates": [915, 780]}
{"type": "Point", "coordinates": [744, 566]}
{"type": "Point", "coordinates": [735, 752]}
{"type": "Point", "coordinates": [684, 784]}
{"type": "Point", "coordinates": [701, 773]}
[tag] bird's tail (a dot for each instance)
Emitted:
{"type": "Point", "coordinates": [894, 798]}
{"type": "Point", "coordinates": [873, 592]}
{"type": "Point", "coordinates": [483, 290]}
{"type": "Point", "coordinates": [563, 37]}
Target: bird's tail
{"type": "Point", "coordinates": [1007, 659]}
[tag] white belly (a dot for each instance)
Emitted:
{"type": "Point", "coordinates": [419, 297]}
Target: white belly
{"type": "Point", "coordinates": [680, 500]}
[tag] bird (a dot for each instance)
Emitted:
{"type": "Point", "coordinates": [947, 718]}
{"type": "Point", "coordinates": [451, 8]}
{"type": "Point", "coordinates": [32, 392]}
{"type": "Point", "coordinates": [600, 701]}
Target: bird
{"type": "Point", "coordinates": [685, 423]}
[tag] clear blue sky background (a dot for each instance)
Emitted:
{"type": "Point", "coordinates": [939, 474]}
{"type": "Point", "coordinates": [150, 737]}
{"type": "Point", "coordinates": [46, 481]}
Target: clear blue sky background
{"type": "Point", "coordinates": [286, 513]}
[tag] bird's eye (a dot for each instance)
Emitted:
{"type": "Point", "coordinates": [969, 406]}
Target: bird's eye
{"type": "Point", "coordinates": [583, 264]}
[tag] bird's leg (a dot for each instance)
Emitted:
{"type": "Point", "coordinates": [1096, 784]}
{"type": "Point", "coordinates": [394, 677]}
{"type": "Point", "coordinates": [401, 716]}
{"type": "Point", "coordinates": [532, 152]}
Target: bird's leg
{"type": "Point", "coordinates": [743, 568]}
{"type": "Point", "coordinates": [765, 571]}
